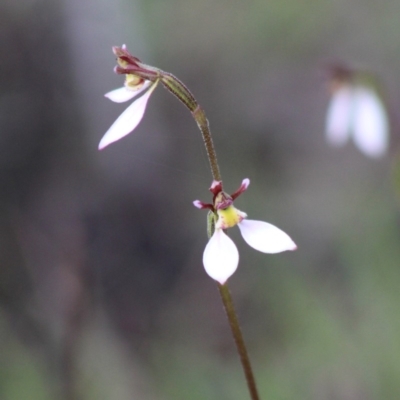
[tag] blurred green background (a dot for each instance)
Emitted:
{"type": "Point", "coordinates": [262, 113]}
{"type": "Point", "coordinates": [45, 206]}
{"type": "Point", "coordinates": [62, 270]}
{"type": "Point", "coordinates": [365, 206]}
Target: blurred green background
{"type": "Point", "coordinates": [102, 289]}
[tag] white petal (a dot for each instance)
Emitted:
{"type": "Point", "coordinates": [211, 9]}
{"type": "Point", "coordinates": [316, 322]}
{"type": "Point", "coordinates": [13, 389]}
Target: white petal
{"type": "Point", "coordinates": [123, 94]}
{"type": "Point", "coordinates": [265, 237]}
{"type": "Point", "coordinates": [220, 257]}
{"type": "Point", "coordinates": [370, 123]}
{"type": "Point", "coordinates": [338, 118]}
{"type": "Point", "coordinates": [127, 121]}
{"type": "Point", "coordinates": [198, 204]}
{"type": "Point", "coordinates": [245, 183]}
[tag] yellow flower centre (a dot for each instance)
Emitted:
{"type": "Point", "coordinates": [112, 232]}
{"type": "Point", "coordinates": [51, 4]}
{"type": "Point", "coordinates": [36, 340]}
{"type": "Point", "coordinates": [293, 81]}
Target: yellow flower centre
{"type": "Point", "coordinates": [133, 82]}
{"type": "Point", "coordinates": [122, 63]}
{"type": "Point", "coordinates": [229, 217]}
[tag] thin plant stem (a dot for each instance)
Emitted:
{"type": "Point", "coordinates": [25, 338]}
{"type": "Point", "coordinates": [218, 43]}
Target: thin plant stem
{"type": "Point", "coordinates": [181, 91]}
{"type": "Point", "coordinates": [239, 341]}
{"type": "Point", "coordinates": [202, 122]}
{"type": "Point", "coordinates": [178, 88]}
{"type": "Point", "coordinates": [127, 64]}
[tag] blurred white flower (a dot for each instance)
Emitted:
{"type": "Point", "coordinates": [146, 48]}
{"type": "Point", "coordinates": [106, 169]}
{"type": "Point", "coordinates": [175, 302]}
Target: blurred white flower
{"type": "Point", "coordinates": [356, 110]}
{"type": "Point", "coordinates": [221, 257]}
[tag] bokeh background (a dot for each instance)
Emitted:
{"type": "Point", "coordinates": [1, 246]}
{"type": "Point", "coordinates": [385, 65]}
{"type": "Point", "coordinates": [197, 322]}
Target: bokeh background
{"type": "Point", "coordinates": [102, 289]}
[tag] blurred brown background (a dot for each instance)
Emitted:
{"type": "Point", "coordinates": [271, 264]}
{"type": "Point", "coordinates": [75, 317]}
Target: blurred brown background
{"type": "Point", "coordinates": [102, 289]}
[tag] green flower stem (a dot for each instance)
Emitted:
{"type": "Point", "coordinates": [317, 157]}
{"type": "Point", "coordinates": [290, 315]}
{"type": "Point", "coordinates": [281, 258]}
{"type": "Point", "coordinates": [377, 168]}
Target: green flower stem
{"type": "Point", "coordinates": [202, 122]}
{"type": "Point", "coordinates": [238, 337]}
{"type": "Point", "coordinates": [179, 89]}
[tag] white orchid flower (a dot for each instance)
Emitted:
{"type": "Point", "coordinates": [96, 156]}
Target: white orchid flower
{"type": "Point", "coordinates": [139, 78]}
{"type": "Point", "coordinates": [221, 257]}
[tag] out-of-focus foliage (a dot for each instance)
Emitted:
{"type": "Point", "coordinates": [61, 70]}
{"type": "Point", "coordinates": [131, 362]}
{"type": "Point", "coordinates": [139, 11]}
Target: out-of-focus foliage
{"type": "Point", "coordinates": [102, 289]}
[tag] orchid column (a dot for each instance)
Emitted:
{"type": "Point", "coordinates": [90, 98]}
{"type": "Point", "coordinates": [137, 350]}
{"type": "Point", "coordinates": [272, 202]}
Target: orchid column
{"type": "Point", "coordinates": [221, 256]}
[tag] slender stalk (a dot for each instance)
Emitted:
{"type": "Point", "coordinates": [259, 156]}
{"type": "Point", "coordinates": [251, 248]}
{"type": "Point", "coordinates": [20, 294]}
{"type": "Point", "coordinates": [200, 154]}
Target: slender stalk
{"type": "Point", "coordinates": [127, 64]}
{"type": "Point", "coordinates": [202, 122]}
{"type": "Point", "coordinates": [238, 337]}
{"type": "Point", "coordinates": [178, 88]}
